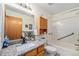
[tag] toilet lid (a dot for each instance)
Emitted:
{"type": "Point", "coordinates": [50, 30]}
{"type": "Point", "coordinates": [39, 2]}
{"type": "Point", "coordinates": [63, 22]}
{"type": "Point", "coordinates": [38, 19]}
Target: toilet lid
{"type": "Point", "coordinates": [50, 48]}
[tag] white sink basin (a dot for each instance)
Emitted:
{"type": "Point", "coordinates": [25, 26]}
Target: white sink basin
{"type": "Point", "coordinates": [23, 47]}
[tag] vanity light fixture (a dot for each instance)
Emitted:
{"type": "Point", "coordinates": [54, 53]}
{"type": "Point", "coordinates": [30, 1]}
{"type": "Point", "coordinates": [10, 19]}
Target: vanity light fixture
{"type": "Point", "coordinates": [25, 6]}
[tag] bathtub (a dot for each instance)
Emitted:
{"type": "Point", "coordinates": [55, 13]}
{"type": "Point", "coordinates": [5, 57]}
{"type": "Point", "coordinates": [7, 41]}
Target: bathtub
{"type": "Point", "coordinates": [65, 49]}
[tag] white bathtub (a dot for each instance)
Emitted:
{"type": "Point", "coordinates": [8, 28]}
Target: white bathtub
{"type": "Point", "coordinates": [65, 49]}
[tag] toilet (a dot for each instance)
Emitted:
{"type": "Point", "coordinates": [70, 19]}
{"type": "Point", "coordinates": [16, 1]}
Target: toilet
{"type": "Point", "coordinates": [51, 50]}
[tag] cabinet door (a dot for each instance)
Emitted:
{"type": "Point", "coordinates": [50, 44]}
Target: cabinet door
{"type": "Point", "coordinates": [13, 27]}
{"type": "Point", "coordinates": [40, 48]}
{"type": "Point", "coordinates": [43, 23]}
{"type": "Point", "coordinates": [41, 53]}
{"type": "Point", "coordinates": [31, 53]}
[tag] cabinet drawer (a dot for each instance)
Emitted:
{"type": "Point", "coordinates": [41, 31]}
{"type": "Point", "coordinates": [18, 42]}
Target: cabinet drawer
{"type": "Point", "coordinates": [41, 53]}
{"type": "Point", "coordinates": [40, 48]}
{"type": "Point", "coordinates": [31, 53]}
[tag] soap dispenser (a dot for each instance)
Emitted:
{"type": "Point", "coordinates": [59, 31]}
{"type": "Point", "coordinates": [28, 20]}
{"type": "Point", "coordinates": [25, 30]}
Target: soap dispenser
{"type": "Point", "coordinates": [6, 41]}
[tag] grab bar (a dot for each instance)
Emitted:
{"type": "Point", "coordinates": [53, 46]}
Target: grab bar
{"type": "Point", "coordinates": [66, 36]}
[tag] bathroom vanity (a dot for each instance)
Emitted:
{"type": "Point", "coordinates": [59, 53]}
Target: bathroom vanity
{"type": "Point", "coordinates": [39, 51]}
{"type": "Point", "coordinates": [34, 48]}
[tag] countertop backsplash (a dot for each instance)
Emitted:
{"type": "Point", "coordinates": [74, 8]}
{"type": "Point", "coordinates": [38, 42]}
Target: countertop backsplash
{"type": "Point", "coordinates": [15, 41]}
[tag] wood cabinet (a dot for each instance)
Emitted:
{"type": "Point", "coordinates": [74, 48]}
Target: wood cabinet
{"type": "Point", "coordinates": [43, 25]}
{"type": "Point", "coordinates": [41, 54]}
{"type": "Point", "coordinates": [31, 53]}
{"type": "Point", "coordinates": [40, 48]}
{"type": "Point", "coordinates": [13, 27]}
{"type": "Point", "coordinates": [39, 51]}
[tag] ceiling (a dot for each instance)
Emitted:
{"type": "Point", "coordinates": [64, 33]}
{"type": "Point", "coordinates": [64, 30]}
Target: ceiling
{"type": "Point", "coordinates": [55, 8]}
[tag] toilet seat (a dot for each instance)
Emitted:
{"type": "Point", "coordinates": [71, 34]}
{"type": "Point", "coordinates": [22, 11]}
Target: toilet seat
{"type": "Point", "coordinates": [50, 48]}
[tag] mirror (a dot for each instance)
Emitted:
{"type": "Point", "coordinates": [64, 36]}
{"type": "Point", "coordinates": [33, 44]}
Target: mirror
{"type": "Point", "coordinates": [27, 18]}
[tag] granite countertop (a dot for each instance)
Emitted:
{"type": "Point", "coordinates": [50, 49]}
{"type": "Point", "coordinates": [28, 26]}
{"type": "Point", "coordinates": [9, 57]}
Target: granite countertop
{"type": "Point", "coordinates": [9, 51]}
{"type": "Point", "coordinates": [12, 51]}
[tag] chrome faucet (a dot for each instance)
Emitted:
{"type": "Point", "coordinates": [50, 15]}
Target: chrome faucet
{"type": "Point", "coordinates": [23, 40]}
